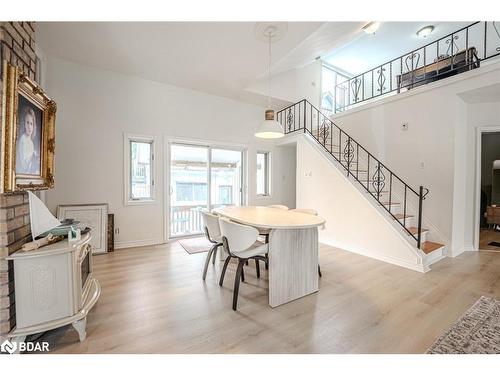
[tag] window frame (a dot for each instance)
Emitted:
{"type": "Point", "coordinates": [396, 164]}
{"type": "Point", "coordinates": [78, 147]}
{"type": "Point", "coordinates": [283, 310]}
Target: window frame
{"type": "Point", "coordinates": [267, 174]}
{"type": "Point", "coordinates": [127, 142]}
{"type": "Point", "coordinates": [338, 72]}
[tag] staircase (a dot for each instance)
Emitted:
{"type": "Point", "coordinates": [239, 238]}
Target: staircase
{"type": "Point", "coordinates": [400, 204]}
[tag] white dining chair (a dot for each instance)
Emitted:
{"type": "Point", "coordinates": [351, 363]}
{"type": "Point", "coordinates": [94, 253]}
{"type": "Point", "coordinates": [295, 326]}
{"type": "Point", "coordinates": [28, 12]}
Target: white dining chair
{"type": "Point", "coordinates": [240, 242]}
{"type": "Point", "coordinates": [309, 211]}
{"type": "Point", "coordinates": [279, 206]}
{"type": "Point", "coordinates": [212, 232]}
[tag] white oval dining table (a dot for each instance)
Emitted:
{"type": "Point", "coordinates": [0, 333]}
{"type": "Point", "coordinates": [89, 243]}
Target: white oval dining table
{"type": "Point", "coordinates": [293, 248]}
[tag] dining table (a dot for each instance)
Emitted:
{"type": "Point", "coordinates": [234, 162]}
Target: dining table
{"type": "Point", "coordinates": [293, 248]}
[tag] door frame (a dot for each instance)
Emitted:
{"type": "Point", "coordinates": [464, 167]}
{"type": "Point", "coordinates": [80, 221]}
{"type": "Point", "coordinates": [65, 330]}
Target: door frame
{"type": "Point", "coordinates": [477, 209]}
{"type": "Point", "coordinates": [209, 144]}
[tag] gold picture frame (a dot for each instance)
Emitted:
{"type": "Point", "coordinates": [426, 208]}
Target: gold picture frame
{"type": "Point", "coordinates": [28, 134]}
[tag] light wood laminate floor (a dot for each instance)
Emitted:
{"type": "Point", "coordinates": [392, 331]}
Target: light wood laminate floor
{"type": "Point", "coordinates": [154, 301]}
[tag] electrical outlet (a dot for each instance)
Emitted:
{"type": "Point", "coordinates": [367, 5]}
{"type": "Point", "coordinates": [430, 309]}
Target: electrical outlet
{"type": "Point", "coordinates": [308, 174]}
{"type": "Point", "coordinates": [422, 165]}
{"type": "Point", "coordinates": [117, 230]}
{"type": "Point", "coordinates": [404, 126]}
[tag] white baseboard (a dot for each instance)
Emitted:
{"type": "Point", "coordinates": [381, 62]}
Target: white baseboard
{"type": "Point", "coordinates": [382, 257]}
{"type": "Point", "coordinates": [138, 243]}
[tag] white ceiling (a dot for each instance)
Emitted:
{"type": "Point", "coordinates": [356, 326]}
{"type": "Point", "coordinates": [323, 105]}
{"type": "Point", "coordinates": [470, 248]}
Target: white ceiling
{"type": "Point", "coordinates": [392, 39]}
{"type": "Point", "coordinates": [220, 58]}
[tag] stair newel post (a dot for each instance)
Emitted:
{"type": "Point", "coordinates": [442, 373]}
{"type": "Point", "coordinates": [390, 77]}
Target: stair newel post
{"type": "Point", "coordinates": [420, 204]}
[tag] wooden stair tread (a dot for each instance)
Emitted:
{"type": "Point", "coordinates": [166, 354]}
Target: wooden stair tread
{"type": "Point", "coordinates": [414, 230]}
{"type": "Point", "coordinates": [428, 246]}
{"type": "Point", "coordinates": [387, 203]}
{"type": "Point", "coordinates": [402, 216]}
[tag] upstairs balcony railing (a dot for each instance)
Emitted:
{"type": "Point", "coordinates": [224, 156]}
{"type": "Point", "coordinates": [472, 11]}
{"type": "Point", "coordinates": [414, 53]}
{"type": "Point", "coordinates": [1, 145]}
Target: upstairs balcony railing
{"type": "Point", "coordinates": [452, 54]}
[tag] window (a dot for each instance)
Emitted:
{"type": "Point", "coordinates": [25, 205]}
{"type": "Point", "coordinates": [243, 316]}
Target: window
{"type": "Point", "coordinates": [139, 173]}
{"type": "Point", "coordinates": [190, 191]}
{"type": "Point", "coordinates": [263, 173]}
{"type": "Point", "coordinates": [332, 96]}
{"type": "Point", "coordinates": [225, 194]}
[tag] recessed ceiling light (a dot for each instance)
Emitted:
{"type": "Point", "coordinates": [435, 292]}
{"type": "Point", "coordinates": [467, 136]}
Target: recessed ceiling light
{"type": "Point", "coordinates": [371, 27]}
{"type": "Point", "coordinates": [424, 32]}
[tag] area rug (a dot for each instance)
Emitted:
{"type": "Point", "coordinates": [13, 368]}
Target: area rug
{"type": "Point", "coordinates": [196, 245]}
{"type": "Point", "coordinates": [494, 243]}
{"type": "Point", "coordinates": [476, 332]}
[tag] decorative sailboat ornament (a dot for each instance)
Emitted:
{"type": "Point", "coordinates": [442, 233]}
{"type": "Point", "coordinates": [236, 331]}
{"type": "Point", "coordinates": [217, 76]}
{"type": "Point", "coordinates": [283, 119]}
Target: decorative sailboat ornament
{"type": "Point", "coordinates": [41, 218]}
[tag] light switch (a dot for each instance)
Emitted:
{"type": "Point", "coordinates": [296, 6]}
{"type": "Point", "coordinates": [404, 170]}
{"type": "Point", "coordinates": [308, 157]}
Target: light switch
{"type": "Point", "coordinates": [404, 126]}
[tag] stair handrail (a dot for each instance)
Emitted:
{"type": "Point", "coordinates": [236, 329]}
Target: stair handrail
{"type": "Point", "coordinates": [298, 122]}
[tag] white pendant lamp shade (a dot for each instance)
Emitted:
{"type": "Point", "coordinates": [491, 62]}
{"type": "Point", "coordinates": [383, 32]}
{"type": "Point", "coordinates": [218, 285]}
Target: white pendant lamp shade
{"type": "Point", "coordinates": [269, 128]}
{"type": "Point", "coordinates": [270, 32]}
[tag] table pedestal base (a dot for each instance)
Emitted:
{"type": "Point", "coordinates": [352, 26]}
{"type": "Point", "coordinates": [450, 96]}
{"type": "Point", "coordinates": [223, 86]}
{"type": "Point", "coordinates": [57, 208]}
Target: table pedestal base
{"type": "Point", "coordinates": [293, 264]}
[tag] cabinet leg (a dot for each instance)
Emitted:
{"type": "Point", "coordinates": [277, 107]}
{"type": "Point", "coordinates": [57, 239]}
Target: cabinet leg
{"type": "Point", "coordinates": [80, 327]}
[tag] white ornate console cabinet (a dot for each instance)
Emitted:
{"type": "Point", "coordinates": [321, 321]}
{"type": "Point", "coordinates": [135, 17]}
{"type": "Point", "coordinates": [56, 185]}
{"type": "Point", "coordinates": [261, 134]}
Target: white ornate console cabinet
{"type": "Point", "coordinates": [54, 286]}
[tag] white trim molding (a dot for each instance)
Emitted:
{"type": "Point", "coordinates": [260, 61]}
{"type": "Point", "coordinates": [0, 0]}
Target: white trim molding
{"type": "Point", "coordinates": [153, 140]}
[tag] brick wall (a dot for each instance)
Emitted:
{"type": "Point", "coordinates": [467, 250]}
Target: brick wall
{"type": "Point", "coordinates": [17, 41]}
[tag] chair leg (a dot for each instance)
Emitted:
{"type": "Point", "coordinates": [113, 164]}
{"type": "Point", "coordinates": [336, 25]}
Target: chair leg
{"type": "Point", "coordinates": [239, 271]}
{"type": "Point", "coordinates": [215, 254]}
{"type": "Point", "coordinates": [246, 262]}
{"type": "Point", "coordinates": [223, 273]}
{"type": "Point", "coordinates": [210, 252]}
{"type": "Point", "coordinates": [243, 274]}
{"type": "Point", "coordinates": [257, 268]}
{"type": "Point", "coordinates": [319, 271]}
{"type": "Point", "coordinates": [267, 262]}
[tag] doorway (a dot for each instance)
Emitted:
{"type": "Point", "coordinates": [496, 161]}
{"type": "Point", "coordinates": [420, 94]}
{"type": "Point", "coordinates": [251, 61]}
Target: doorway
{"type": "Point", "coordinates": [489, 222]}
{"type": "Point", "coordinates": [201, 178]}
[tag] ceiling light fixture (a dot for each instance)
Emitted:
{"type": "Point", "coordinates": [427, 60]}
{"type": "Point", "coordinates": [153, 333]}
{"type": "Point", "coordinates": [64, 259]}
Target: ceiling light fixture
{"type": "Point", "coordinates": [371, 27]}
{"type": "Point", "coordinates": [424, 32]}
{"type": "Point", "coordinates": [269, 128]}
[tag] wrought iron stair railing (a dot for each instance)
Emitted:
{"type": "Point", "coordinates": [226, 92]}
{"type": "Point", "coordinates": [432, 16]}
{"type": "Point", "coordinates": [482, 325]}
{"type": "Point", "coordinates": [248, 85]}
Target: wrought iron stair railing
{"type": "Point", "coordinates": [373, 175]}
{"type": "Point", "coordinates": [452, 54]}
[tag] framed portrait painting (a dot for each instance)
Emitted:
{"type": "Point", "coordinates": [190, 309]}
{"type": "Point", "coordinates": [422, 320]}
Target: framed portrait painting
{"type": "Point", "coordinates": [28, 133]}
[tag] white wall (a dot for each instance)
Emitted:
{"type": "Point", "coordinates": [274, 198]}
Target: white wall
{"type": "Point", "coordinates": [294, 85]}
{"type": "Point", "coordinates": [352, 222]}
{"type": "Point", "coordinates": [439, 136]}
{"type": "Point", "coordinates": [96, 107]}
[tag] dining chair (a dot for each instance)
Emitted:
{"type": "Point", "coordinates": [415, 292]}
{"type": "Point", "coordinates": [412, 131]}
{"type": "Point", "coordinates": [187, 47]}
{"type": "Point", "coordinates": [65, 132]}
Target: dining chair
{"type": "Point", "coordinates": [279, 206]}
{"type": "Point", "coordinates": [240, 242]}
{"type": "Point", "coordinates": [309, 211]}
{"type": "Point", "coordinates": [212, 233]}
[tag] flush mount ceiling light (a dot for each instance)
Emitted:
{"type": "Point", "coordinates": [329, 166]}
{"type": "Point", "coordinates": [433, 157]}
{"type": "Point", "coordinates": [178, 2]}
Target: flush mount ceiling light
{"type": "Point", "coordinates": [371, 27]}
{"type": "Point", "coordinates": [270, 33]}
{"type": "Point", "coordinates": [424, 32]}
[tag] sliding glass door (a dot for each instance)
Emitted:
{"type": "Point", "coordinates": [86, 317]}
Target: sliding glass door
{"type": "Point", "coordinates": [201, 178]}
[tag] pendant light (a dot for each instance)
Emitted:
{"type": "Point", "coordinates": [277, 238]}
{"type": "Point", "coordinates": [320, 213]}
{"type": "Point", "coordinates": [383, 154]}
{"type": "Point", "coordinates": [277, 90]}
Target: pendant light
{"type": "Point", "coordinates": [270, 128]}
